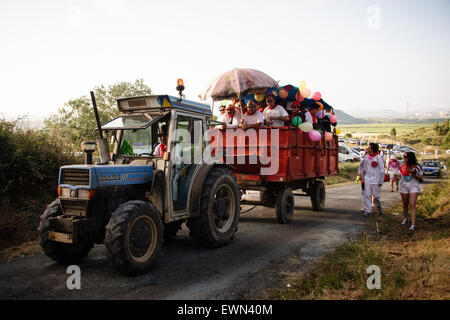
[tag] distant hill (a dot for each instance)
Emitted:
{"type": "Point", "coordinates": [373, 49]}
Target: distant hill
{"type": "Point", "coordinates": [345, 118]}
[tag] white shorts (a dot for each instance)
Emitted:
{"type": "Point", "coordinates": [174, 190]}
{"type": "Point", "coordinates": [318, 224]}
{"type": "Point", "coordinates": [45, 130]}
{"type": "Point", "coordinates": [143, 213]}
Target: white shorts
{"type": "Point", "coordinates": [409, 189]}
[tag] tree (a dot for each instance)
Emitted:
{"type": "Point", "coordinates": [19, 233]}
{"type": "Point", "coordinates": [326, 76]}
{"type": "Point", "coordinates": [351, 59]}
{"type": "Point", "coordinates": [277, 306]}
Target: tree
{"type": "Point", "coordinates": [393, 132]}
{"type": "Point", "coordinates": [75, 122]}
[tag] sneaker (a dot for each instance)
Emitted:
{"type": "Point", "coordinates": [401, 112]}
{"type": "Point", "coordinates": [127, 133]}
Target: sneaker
{"type": "Point", "coordinates": [366, 214]}
{"type": "Point", "coordinates": [413, 228]}
{"type": "Point", "coordinates": [404, 221]}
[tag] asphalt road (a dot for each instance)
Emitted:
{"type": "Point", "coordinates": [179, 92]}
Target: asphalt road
{"type": "Point", "coordinates": [260, 253]}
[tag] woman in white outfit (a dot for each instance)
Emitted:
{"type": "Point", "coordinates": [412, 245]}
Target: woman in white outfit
{"type": "Point", "coordinates": [411, 174]}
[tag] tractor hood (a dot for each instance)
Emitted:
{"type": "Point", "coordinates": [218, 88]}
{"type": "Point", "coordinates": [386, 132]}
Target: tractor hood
{"type": "Point", "coordinates": [94, 176]}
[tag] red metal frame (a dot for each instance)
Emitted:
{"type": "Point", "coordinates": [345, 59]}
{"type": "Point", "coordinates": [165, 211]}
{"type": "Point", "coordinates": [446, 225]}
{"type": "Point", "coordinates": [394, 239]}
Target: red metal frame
{"type": "Point", "coordinates": [299, 157]}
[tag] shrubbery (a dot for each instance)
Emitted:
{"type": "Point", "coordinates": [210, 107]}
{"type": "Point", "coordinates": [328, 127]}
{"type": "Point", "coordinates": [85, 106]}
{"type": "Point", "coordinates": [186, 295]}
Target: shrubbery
{"type": "Point", "coordinates": [29, 162]}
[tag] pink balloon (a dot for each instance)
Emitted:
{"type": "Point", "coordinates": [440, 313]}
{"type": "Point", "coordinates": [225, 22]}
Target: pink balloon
{"type": "Point", "coordinates": [316, 96]}
{"type": "Point", "coordinates": [314, 135]}
{"type": "Point", "coordinates": [333, 119]}
{"type": "Point", "coordinates": [320, 114]}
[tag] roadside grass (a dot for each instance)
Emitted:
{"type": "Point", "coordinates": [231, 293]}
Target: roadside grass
{"type": "Point", "coordinates": [414, 265]}
{"type": "Point", "coordinates": [347, 173]}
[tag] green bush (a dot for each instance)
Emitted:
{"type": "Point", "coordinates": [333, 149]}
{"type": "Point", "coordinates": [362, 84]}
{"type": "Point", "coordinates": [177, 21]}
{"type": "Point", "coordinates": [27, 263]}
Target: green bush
{"type": "Point", "coordinates": [29, 162]}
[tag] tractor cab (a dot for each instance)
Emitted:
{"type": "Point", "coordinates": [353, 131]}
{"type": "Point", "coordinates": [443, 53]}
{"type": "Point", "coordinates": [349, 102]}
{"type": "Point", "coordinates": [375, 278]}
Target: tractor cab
{"type": "Point", "coordinates": [166, 133]}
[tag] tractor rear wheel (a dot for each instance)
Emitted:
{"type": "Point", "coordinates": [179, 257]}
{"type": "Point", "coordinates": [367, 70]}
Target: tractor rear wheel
{"type": "Point", "coordinates": [318, 196]}
{"type": "Point", "coordinates": [219, 210]}
{"type": "Point", "coordinates": [61, 252]}
{"type": "Point", "coordinates": [133, 237]}
{"type": "Point", "coordinates": [285, 205]}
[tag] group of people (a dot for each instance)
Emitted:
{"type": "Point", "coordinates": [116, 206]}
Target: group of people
{"type": "Point", "coordinates": [407, 176]}
{"type": "Point", "coordinates": [254, 114]}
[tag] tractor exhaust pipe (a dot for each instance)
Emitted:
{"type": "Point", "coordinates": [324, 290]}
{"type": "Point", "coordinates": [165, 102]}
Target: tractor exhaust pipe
{"type": "Point", "coordinates": [103, 147]}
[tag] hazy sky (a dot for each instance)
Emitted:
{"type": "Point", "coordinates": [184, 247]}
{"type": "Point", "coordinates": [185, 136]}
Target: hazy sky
{"type": "Point", "coordinates": [359, 54]}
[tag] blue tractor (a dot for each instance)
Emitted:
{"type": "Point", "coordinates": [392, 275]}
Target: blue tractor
{"type": "Point", "coordinates": [156, 178]}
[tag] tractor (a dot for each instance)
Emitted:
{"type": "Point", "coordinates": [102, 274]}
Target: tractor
{"type": "Point", "coordinates": [134, 198]}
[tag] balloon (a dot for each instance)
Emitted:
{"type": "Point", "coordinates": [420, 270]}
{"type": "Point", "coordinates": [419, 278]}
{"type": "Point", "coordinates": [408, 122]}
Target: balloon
{"type": "Point", "coordinates": [316, 96]}
{"type": "Point", "coordinates": [328, 136]}
{"type": "Point", "coordinates": [314, 135]}
{"type": "Point", "coordinates": [338, 131]}
{"type": "Point", "coordinates": [320, 114]}
{"type": "Point", "coordinates": [299, 97]}
{"type": "Point", "coordinates": [302, 85]}
{"type": "Point", "coordinates": [283, 94]}
{"type": "Point", "coordinates": [306, 126]}
{"type": "Point", "coordinates": [333, 119]}
{"type": "Point", "coordinates": [259, 97]}
{"type": "Point", "coordinates": [305, 92]}
{"type": "Point", "coordinates": [296, 121]}
{"type": "Point", "coordinates": [300, 130]}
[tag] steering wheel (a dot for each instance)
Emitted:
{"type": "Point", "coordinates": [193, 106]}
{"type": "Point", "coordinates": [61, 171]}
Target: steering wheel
{"type": "Point", "coordinates": [145, 154]}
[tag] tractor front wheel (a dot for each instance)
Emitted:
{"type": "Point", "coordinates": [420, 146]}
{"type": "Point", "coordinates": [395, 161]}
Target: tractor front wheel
{"type": "Point", "coordinates": [61, 252]}
{"type": "Point", "coordinates": [133, 237]}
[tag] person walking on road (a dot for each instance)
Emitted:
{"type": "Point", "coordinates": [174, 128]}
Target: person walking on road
{"type": "Point", "coordinates": [371, 169]}
{"type": "Point", "coordinates": [411, 175]}
{"type": "Point", "coordinates": [393, 171]}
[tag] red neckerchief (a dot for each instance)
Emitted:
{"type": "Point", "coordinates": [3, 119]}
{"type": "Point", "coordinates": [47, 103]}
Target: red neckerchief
{"type": "Point", "coordinates": [271, 108]}
{"type": "Point", "coordinates": [162, 149]}
{"type": "Point", "coordinates": [313, 116]}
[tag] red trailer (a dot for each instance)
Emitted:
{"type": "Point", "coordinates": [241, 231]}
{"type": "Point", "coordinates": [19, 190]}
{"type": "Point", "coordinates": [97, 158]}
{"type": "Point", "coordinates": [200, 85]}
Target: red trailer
{"type": "Point", "coordinates": [277, 161]}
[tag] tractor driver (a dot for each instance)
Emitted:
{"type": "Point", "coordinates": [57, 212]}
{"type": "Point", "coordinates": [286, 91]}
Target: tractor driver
{"type": "Point", "coordinates": [161, 148]}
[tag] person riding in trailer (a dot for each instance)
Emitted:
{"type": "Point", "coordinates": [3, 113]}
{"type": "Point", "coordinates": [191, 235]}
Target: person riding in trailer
{"type": "Point", "coordinates": [274, 115]}
{"type": "Point", "coordinates": [252, 118]}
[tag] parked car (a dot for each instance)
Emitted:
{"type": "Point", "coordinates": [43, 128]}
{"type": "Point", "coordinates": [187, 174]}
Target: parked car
{"type": "Point", "coordinates": [346, 154]}
{"type": "Point", "coordinates": [432, 168]}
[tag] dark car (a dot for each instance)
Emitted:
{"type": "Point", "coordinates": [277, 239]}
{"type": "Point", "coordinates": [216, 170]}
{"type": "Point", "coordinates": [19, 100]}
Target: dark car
{"type": "Point", "coordinates": [431, 168]}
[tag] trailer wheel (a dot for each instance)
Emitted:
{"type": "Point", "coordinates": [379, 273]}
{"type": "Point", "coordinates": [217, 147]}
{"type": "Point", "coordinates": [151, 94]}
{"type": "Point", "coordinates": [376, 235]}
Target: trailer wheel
{"type": "Point", "coordinates": [285, 205]}
{"type": "Point", "coordinates": [61, 252]}
{"type": "Point", "coordinates": [219, 210]}
{"type": "Point", "coordinates": [318, 196]}
{"type": "Point", "coordinates": [133, 237]}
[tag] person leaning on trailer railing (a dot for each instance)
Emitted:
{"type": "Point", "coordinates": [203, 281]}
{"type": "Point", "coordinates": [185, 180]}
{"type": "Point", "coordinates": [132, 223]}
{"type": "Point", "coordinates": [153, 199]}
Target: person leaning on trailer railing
{"type": "Point", "coordinates": [252, 118]}
{"type": "Point", "coordinates": [274, 115]}
{"type": "Point", "coordinates": [231, 118]}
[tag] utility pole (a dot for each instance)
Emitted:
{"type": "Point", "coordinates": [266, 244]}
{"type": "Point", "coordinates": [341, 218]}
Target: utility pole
{"type": "Point", "coordinates": [407, 112]}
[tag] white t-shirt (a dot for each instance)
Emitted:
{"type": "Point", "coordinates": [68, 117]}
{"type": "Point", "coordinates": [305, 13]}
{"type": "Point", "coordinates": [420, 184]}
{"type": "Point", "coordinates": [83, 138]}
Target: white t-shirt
{"type": "Point", "coordinates": [373, 168]}
{"type": "Point", "coordinates": [308, 117]}
{"type": "Point", "coordinates": [278, 111]}
{"type": "Point", "coordinates": [232, 122]}
{"type": "Point", "coordinates": [256, 117]}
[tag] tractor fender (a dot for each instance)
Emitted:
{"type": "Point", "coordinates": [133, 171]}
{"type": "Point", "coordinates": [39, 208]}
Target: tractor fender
{"type": "Point", "coordinates": [197, 186]}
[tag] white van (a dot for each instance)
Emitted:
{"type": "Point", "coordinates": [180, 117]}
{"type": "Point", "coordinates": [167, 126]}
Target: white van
{"type": "Point", "coordinates": [346, 154]}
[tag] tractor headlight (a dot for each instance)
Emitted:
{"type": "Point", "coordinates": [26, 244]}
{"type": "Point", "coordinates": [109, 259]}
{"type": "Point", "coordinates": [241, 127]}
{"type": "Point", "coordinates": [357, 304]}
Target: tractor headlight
{"type": "Point", "coordinates": [76, 193]}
